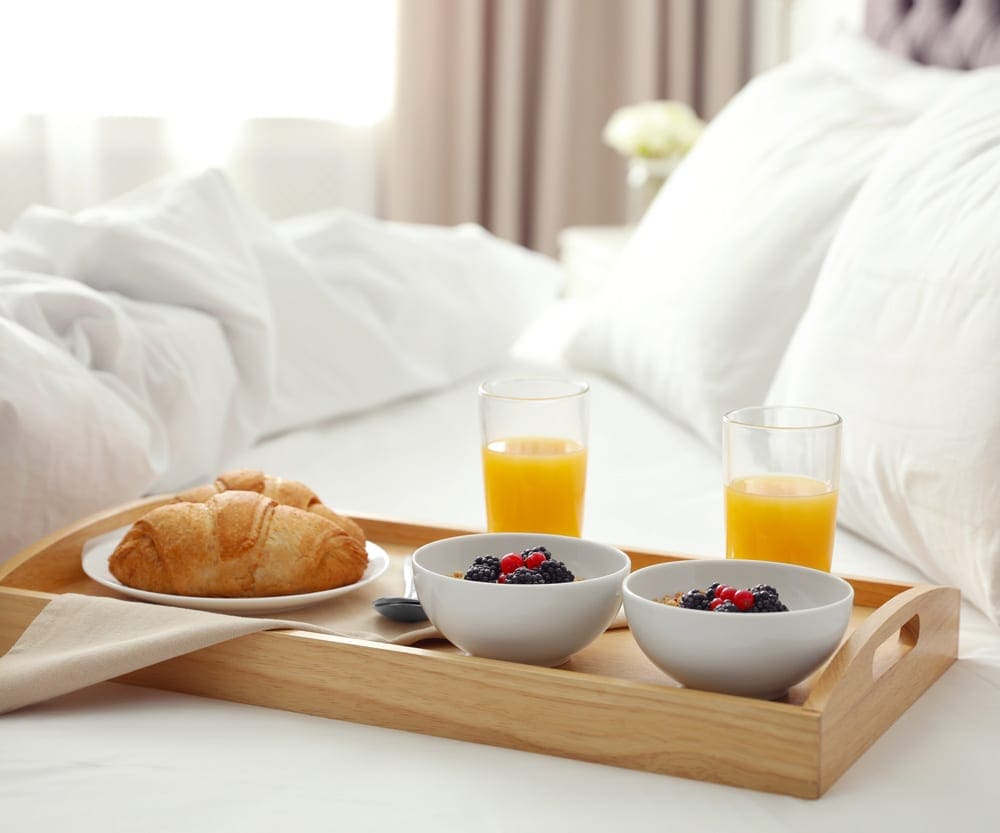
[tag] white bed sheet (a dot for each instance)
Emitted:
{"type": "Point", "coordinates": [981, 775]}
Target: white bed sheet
{"type": "Point", "coordinates": [121, 758]}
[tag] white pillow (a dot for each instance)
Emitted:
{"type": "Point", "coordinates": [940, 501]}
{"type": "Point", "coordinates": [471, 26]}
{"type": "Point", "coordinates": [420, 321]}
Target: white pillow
{"type": "Point", "coordinates": [707, 293]}
{"type": "Point", "coordinates": [369, 311]}
{"type": "Point", "coordinates": [902, 338]}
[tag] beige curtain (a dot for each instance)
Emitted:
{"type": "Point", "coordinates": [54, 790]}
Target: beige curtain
{"type": "Point", "coordinates": [500, 103]}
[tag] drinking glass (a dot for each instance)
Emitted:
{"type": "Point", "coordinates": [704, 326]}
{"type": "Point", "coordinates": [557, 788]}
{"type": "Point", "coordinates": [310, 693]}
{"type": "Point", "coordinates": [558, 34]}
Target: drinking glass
{"type": "Point", "coordinates": [782, 475]}
{"type": "Point", "coordinates": [534, 446]}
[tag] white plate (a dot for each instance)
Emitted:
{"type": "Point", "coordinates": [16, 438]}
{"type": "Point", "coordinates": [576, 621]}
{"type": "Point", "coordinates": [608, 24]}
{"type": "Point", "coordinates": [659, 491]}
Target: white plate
{"type": "Point", "coordinates": [97, 551]}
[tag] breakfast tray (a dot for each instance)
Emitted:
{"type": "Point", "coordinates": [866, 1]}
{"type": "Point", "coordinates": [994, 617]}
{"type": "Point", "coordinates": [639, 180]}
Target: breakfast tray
{"type": "Point", "coordinates": [608, 705]}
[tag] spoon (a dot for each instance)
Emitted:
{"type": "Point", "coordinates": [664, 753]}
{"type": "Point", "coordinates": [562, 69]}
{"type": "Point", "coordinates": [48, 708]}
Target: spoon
{"type": "Point", "coordinates": [405, 608]}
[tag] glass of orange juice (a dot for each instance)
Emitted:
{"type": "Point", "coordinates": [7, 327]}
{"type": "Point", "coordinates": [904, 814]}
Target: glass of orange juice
{"type": "Point", "coordinates": [782, 475]}
{"type": "Point", "coordinates": [534, 444]}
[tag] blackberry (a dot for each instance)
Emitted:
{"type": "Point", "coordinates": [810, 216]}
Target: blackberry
{"type": "Point", "coordinates": [727, 607]}
{"type": "Point", "coordinates": [542, 550]}
{"type": "Point", "coordinates": [484, 568]}
{"type": "Point", "coordinates": [695, 600]}
{"type": "Point", "coordinates": [555, 572]}
{"type": "Point", "coordinates": [767, 601]}
{"type": "Point", "coordinates": [765, 588]}
{"type": "Point", "coordinates": [522, 575]}
{"type": "Point", "coordinates": [710, 592]}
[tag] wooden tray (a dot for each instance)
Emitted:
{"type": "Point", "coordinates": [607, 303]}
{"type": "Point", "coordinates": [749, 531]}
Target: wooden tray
{"type": "Point", "coordinates": [609, 704]}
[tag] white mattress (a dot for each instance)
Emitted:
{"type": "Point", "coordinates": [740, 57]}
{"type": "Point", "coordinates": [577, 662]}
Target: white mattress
{"type": "Point", "coordinates": [121, 758]}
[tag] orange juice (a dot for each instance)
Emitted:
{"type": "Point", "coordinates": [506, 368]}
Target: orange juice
{"type": "Point", "coordinates": [778, 517]}
{"type": "Point", "coordinates": [535, 484]}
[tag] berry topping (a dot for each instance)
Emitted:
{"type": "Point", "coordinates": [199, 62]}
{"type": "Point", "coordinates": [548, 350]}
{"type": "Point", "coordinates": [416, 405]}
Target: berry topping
{"type": "Point", "coordinates": [696, 600]}
{"type": "Point", "coordinates": [744, 599]}
{"type": "Point", "coordinates": [761, 598]}
{"type": "Point", "coordinates": [763, 588]}
{"type": "Point", "coordinates": [545, 553]}
{"type": "Point", "coordinates": [767, 601]}
{"type": "Point", "coordinates": [532, 560]}
{"type": "Point", "coordinates": [555, 572]}
{"type": "Point", "coordinates": [510, 562]}
{"type": "Point", "coordinates": [522, 575]}
{"type": "Point", "coordinates": [484, 568]}
{"type": "Point", "coordinates": [533, 566]}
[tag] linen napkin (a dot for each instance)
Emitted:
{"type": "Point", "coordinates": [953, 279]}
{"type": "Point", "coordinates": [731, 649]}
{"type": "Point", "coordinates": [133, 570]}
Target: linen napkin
{"type": "Point", "coordinates": [79, 640]}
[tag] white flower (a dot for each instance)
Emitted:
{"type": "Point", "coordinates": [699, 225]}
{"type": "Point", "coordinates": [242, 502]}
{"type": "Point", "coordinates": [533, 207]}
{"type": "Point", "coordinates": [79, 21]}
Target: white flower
{"type": "Point", "coordinates": [653, 129]}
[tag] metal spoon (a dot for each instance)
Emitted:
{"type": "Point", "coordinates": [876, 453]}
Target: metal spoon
{"type": "Point", "coordinates": [405, 608]}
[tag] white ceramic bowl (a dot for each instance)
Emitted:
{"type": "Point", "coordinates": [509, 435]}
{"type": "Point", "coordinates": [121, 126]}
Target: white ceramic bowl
{"type": "Point", "coordinates": [540, 624]}
{"type": "Point", "coordinates": [749, 654]}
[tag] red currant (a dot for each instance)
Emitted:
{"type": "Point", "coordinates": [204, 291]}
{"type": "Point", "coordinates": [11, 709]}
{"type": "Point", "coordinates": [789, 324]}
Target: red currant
{"type": "Point", "coordinates": [725, 593]}
{"type": "Point", "coordinates": [510, 562]}
{"type": "Point", "coordinates": [533, 560]}
{"type": "Point", "coordinates": [501, 579]}
{"type": "Point", "coordinates": [712, 605]}
{"type": "Point", "coordinates": [743, 599]}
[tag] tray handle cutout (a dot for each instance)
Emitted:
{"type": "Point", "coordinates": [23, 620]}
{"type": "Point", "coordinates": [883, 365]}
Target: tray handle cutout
{"type": "Point", "coordinates": [924, 613]}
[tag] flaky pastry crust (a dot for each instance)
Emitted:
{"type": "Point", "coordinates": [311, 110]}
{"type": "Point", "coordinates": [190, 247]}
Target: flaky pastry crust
{"type": "Point", "coordinates": [236, 544]}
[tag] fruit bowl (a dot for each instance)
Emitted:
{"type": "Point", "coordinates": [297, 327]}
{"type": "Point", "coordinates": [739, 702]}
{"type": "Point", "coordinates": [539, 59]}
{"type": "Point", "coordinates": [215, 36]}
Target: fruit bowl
{"type": "Point", "coordinates": [539, 623]}
{"type": "Point", "coordinates": [753, 654]}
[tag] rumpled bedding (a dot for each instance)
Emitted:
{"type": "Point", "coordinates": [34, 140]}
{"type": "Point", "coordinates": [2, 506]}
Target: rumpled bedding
{"type": "Point", "coordinates": [146, 341]}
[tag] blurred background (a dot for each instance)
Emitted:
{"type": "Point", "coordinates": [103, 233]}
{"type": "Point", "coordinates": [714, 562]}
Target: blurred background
{"type": "Point", "coordinates": [431, 111]}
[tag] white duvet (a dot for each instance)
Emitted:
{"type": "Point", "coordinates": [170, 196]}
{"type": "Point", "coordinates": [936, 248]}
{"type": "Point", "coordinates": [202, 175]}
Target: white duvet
{"type": "Point", "coordinates": [146, 341]}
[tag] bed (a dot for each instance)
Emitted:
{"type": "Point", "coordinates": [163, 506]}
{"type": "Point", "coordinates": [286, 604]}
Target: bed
{"type": "Point", "coordinates": [846, 257]}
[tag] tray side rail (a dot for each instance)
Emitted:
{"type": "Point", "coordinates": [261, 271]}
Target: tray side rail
{"type": "Point", "coordinates": [858, 697]}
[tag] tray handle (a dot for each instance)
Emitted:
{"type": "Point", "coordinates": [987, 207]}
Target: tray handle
{"type": "Point", "coordinates": [928, 613]}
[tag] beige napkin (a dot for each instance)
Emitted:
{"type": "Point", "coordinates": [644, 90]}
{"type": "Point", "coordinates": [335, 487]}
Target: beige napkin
{"type": "Point", "coordinates": [79, 640]}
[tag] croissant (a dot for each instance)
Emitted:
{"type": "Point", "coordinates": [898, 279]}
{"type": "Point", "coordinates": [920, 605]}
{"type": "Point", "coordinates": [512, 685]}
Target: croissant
{"type": "Point", "coordinates": [287, 492]}
{"type": "Point", "coordinates": [236, 544]}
